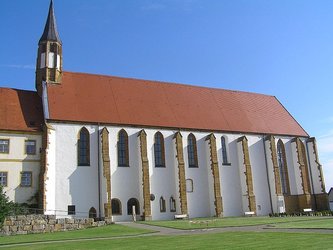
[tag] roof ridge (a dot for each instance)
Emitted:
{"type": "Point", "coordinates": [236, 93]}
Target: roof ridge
{"type": "Point", "coordinates": [26, 90]}
{"type": "Point", "coordinates": [165, 82]}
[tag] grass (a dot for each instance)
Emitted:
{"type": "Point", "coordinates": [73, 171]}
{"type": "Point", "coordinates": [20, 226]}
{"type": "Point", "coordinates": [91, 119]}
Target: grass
{"type": "Point", "coordinates": [240, 221]}
{"type": "Point", "coordinates": [106, 237]}
{"type": "Point", "coordinates": [324, 223]}
{"type": "Point", "coordinates": [228, 240]}
{"type": "Point", "coordinates": [107, 231]}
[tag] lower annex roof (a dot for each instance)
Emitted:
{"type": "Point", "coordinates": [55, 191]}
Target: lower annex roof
{"type": "Point", "coordinates": [115, 100]}
{"type": "Point", "coordinates": [20, 110]}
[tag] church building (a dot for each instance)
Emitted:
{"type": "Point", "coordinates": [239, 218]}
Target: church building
{"type": "Point", "coordinates": [89, 145]}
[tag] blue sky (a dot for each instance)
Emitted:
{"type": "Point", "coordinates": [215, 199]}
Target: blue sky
{"type": "Point", "coordinates": [282, 48]}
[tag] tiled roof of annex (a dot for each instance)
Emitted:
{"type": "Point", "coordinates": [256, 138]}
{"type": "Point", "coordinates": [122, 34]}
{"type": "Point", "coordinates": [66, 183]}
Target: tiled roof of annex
{"type": "Point", "coordinates": [20, 110]}
{"type": "Point", "coordinates": [126, 101]}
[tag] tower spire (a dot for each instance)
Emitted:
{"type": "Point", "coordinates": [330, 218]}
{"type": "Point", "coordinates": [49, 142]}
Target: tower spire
{"type": "Point", "coordinates": [49, 56]}
{"type": "Point", "coordinates": [50, 31]}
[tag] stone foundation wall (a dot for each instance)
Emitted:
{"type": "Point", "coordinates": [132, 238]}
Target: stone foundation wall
{"type": "Point", "coordinates": [32, 224]}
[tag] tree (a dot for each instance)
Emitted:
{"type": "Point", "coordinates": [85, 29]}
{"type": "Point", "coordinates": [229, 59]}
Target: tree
{"type": "Point", "coordinates": [5, 205]}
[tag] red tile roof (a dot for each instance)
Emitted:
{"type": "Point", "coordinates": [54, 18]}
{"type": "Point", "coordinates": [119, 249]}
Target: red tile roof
{"type": "Point", "coordinates": [116, 100]}
{"type": "Point", "coordinates": [20, 110]}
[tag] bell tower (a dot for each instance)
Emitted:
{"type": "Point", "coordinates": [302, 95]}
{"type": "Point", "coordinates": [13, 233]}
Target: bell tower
{"type": "Point", "coordinates": [49, 56]}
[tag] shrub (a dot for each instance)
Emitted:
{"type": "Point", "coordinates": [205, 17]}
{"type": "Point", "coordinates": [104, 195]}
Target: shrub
{"type": "Point", "coordinates": [6, 205]}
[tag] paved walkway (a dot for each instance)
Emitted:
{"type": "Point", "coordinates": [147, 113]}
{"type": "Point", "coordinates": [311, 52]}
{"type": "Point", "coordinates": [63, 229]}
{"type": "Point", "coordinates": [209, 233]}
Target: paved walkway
{"type": "Point", "coordinates": [257, 228]}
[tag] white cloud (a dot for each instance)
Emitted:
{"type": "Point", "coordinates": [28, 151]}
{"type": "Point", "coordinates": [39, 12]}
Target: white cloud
{"type": "Point", "coordinates": [18, 66]}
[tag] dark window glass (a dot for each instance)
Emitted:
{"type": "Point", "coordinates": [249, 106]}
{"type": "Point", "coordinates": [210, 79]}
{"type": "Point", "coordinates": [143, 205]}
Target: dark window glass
{"type": "Point", "coordinates": [224, 151]}
{"type": "Point", "coordinates": [71, 210]}
{"type": "Point", "coordinates": [26, 179]}
{"type": "Point", "coordinates": [123, 149]}
{"type": "Point", "coordinates": [172, 204]}
{"type": "Point", "coordinates": [4, 146]}
{"type": "Point", "coordinates": [282, 167]}
{"type": "Point", "coordinates": [192, 151]}
{"type": "Point", "coordinates": [3, 179]}
{"type": "Point", "coordinates": [162, 205]}
{"type": "Point", "coordinates": [30, 147]}
{"type": "Point", "coordinates": [159, 150]}
{"type": "Point", "coordinates": [92, 212]}
{"type": "Point", "coordinates": [116, 207]}
{"type": "Point", "coordinates": [84, 148]}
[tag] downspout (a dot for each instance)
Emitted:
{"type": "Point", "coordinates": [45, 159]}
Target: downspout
{"type": "Point", "coordinates": [266, 163]}
{"type": "Point", "coordinates": [99, 171]}
{"type": "Point", "coordinates": [310, 171]}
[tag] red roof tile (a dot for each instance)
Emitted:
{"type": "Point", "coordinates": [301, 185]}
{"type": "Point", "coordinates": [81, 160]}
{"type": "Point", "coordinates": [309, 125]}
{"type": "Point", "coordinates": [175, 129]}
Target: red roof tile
{"type": "Point", "coordinates": [20, 110]}
{"type": "Point", "coordinates": [115, 100]}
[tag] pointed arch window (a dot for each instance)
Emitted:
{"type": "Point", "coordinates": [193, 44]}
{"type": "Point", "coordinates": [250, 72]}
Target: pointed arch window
{"type": "Point", "coordinates": [172, 204]}
{"type": "Point", "coordinates": [159, 150]}
{"type": "Point", "coordinates": [162, 205]}
{"type": "Point", "coordinates": [123, 156]}
{"type": "Point", "coordinates": [83, 148]}
{"type": "Point", "coordinates": [224, 143]}
{"type": "Point", "coordinates": [283, 169]}
{"type": "Point", "coordinates": [192, 151]}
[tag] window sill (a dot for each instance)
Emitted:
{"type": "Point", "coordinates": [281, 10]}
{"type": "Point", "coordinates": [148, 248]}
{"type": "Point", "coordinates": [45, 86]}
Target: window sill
{"type": "Point", "coordinates": [159, 166]}
{"type": "Point", "coordinates": [83, 165]}
{"type": "Point", "coordinates": [226, 164]}
{"type": "Point", "coordinates": [192, 166]}
{"type": "Point", "coordinates": [123, 166]}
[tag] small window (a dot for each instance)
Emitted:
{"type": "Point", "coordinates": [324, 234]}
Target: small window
{"type": "Point", "coordinates": [189, 185]}
{"type": "Point", "coordinates": [159, 150]}
{"type": "Point", "coordinates": [4, 146]}
{"type": "Point", "coordinates": [192, 151]}
{"type": "Point", "coordinates": [30, 147]}
{"type": "Point", "coordinates": [123, 155]}
{"type": "Point", "coordinates": [116, 207]}
{"type": "Point", "coordinates": [133, 202]}
{"type": "Point", "coordinates": [162, 205]}
{"type": "Point", "coordinates": [26, 179]}
{"type": "Point", "coordinates": [71, 210]}
{"type": "Point", "coordinates": [172, 204]}
{"type": "Point", "coordinates": [83, 148]}
{"type": "Point", "coordinates": [224, 144]}
{"type": "Point", "coordinates": [3, 179]}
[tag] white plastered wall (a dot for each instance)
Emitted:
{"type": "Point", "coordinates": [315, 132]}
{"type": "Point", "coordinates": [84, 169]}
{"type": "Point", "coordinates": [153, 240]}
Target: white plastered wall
{"type": "Point", "coordinates": [76, 185]}
{"type": "Point", "coordinates": [17, 161]}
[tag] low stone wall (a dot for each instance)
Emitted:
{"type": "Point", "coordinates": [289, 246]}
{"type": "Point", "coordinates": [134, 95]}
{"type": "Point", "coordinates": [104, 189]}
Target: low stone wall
{"type": "Point", "coordinates": [31, 224]}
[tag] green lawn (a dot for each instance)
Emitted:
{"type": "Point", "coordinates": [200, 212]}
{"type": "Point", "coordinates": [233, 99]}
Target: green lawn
{"type": "Point", "coordinates": [229, 240]}
{"type": "Point", "coordinates": [324, 223]}
{"type": "Point", "coordinates": [99, 238]}
{"type": "Point", "coordinates": [106, 231]}
{"type": "Point", "coordinates": [237, 221]}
